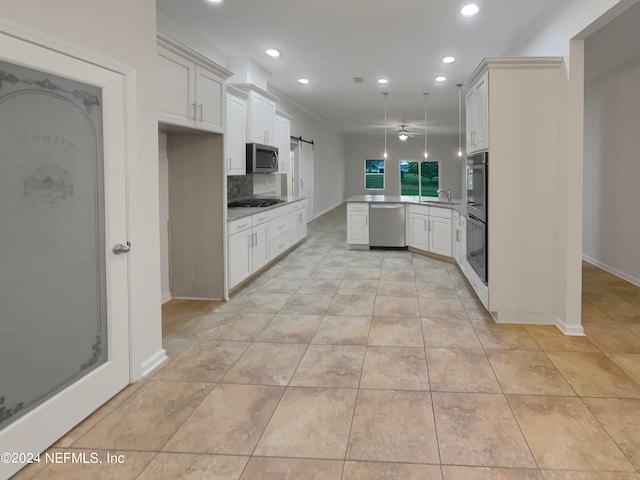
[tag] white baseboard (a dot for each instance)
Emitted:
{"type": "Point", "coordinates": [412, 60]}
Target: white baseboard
{"type": "Point", "coordinates": [166, 297]}
{"type": "Point", "coordinates": [611, 270]}
{"type": "Point", "coordinates": [153, 362]}
{"type": "Point", "coordinates": [570, 330]}
{"type": "Point", "coordinates": [197, 298]}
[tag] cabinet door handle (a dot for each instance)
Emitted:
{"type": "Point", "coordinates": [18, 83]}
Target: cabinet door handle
{"type": "Point", "coordinates": [229, 160]}
{"type": "Point", "coordinates": [194, 111]}
{"type": "Point", "coordinates": [255, 242]}
{"type": "Point", "coordinates": [201, 114]}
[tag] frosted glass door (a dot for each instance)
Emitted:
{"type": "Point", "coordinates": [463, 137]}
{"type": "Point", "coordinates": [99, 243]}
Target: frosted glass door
{"type": "Point", "coordinates": [52, 265]}
{"type": "Point", "coordinates": [63, 293]}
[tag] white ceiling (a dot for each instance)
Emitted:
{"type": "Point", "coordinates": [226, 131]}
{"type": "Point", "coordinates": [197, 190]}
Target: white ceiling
{"type": "Point", "coordinates": [332, 41]}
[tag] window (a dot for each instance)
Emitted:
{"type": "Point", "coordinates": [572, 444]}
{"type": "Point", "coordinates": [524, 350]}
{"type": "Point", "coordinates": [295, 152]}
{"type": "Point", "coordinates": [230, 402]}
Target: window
{"type": "Point", "coordinates": [427, 172]}
{"type": "Point", "coordinates": [374, 174]}
{"type": "Point", "coordinates": [409, 178]}
{"type": "Point", "coordinates": [430, 179]}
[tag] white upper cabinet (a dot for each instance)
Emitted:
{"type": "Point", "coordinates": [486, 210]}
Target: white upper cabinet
{"type": "Point", "coordinates": [209, 109]}
{"type": "Point", "coordinates": [477, 108]}
{"type": "Point", "coordinates": [235, 138]}
{"type": "Point", "coordinates": [283, 132]}
{"type": "Point", "coordinates": [261, 117]}
{"type": "Point", "coordinates": [192, 88]}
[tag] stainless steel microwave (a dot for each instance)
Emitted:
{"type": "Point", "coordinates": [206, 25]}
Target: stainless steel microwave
{"type": "Point", "coordinates": [261, 158]}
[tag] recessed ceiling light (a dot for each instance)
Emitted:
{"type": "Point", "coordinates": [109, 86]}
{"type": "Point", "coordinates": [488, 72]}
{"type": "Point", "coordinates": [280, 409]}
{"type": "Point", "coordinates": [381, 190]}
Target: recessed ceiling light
{"type": "Point", "coordinates": [383, 81]}
{"type": "Point", "coordinates": [303, 81]}
{"type": "Point", "coordinates": [440, 78]}
{"type": "Point", "coordinates": [469, 10]}
{"type": "Point", "coordinates": [272, 52]}
{"type": "Point", "coordinates": [448, 59]}
{"type": "Point", "coordinates": [214, 1]}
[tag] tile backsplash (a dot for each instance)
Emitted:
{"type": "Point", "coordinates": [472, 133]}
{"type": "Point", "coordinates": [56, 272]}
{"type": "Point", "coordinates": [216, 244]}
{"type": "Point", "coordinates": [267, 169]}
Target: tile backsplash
{"type": "Point", "coordinates": [239, 187]}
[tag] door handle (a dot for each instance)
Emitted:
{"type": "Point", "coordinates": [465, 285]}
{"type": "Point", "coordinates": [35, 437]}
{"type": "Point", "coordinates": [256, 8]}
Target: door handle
{"type": "Point", "coordinates": [119, 248]}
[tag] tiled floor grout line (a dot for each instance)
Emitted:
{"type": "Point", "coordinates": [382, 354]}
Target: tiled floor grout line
{"type": "Point", "coordinates": [337, 252]}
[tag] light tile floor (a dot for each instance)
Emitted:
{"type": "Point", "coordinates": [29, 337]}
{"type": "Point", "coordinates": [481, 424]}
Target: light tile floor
{"type": "Point", "coordinates": [339, 364]}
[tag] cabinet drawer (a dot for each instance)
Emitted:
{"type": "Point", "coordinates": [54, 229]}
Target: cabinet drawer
{"type": "Point", "coordinates": [440, 212]}
{"type": "Point", "coordinates": [278, 212]}
{"type": "Point", "coordinates": [259, 218]}
{"type": "Point", "coordinates": [238, 225]}
{"type": "Point", "coordinates": [279, 226]}
{"type": "Point", "coordinates": [419, 209]}
{"type": "Point", "coordinates": [298, 205]}
{"type": "Point", "coordinates": [278, 245]}
{"type": "Point", "coordinates": [357, 207]}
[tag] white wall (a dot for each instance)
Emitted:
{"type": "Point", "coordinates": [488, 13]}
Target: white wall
{"type": "Point", "coordinates": [125, 32]}
{"type": "Point", "coordinates": [564, 36]}
{"type": "Point", "coordinates": [163, 181]}
{"type": "Point", "coordinates": [442, 147]}
{"type": "Point", "coordinates": [611, 219]}
{"type": "Point", "coordinates": [328, 154]}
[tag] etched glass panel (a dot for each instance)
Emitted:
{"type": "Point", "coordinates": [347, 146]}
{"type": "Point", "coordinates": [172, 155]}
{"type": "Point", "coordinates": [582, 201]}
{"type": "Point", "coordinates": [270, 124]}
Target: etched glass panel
{"type": "Point", "coordinates": [53, 323]}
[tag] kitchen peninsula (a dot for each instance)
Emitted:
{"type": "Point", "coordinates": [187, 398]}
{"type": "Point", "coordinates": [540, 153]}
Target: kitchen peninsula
{"type": "Point", "coordinates": [431, 227]}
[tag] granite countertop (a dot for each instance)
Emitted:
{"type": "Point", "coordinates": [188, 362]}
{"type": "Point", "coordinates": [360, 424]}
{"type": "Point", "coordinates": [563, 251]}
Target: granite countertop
{"type": "Point", "coordinates": [455, 204]}
{"type": "Point", "coordinates": [237, 213]}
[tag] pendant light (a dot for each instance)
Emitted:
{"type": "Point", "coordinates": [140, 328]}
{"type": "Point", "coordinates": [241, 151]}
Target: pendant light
{"type": "Point", "coordinates": [459, 85]}
{"type": "Point", "coordinates": [385, 124]}
{"type": "Point", "coordinates": [426, 153]}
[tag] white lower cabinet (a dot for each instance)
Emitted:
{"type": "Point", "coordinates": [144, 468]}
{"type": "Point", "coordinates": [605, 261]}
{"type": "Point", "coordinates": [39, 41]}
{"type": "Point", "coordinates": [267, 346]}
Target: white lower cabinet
{"type": "Point", "coordinates": [240, 257]}
{"type": "Point", "coordinates": [279, 227]}
{"type": "Point", "coordinates": [298, 219]}
{"type": "Point", "coordinates": [440, 235]}
{"type": "Point", "coordinates": [358, 224]}
{"type": "Point", "coordinates": [429, 229]}
{"type": "Point", "coordinates": [460, 239]}
{"type": "Point", "coordinates": [248, 247]}
{"type": "Point", "coordinates": [257, 240]}
{"type": "Point", "coordinates": [418, 231]}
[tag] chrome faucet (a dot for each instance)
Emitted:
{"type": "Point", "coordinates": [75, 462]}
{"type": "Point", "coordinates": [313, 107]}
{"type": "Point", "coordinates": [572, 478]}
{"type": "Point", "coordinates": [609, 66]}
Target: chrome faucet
{"type": "Point", "coordinates": [448, 192]}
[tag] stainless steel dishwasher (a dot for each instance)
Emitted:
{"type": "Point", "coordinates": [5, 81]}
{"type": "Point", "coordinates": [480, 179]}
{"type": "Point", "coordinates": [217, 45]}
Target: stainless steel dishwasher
{"type": "Point", "coordinates": [386, 225]}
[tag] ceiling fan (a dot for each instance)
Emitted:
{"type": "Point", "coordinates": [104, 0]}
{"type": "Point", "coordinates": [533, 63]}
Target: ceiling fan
{"type": "Point", "coordinates": [404, 134]}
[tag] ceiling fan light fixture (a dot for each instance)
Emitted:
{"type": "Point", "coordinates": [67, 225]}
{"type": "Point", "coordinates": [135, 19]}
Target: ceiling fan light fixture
{"type": "Point", "coordinates": [403, 135]}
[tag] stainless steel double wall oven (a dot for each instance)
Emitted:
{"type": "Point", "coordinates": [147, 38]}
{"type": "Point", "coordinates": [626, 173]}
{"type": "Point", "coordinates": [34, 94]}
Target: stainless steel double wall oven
{"type": "Point", "coordinates": [477, 213]}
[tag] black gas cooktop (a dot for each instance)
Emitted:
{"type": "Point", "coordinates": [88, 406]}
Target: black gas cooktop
{"type": "Point", "coordinates": [254, 202]}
